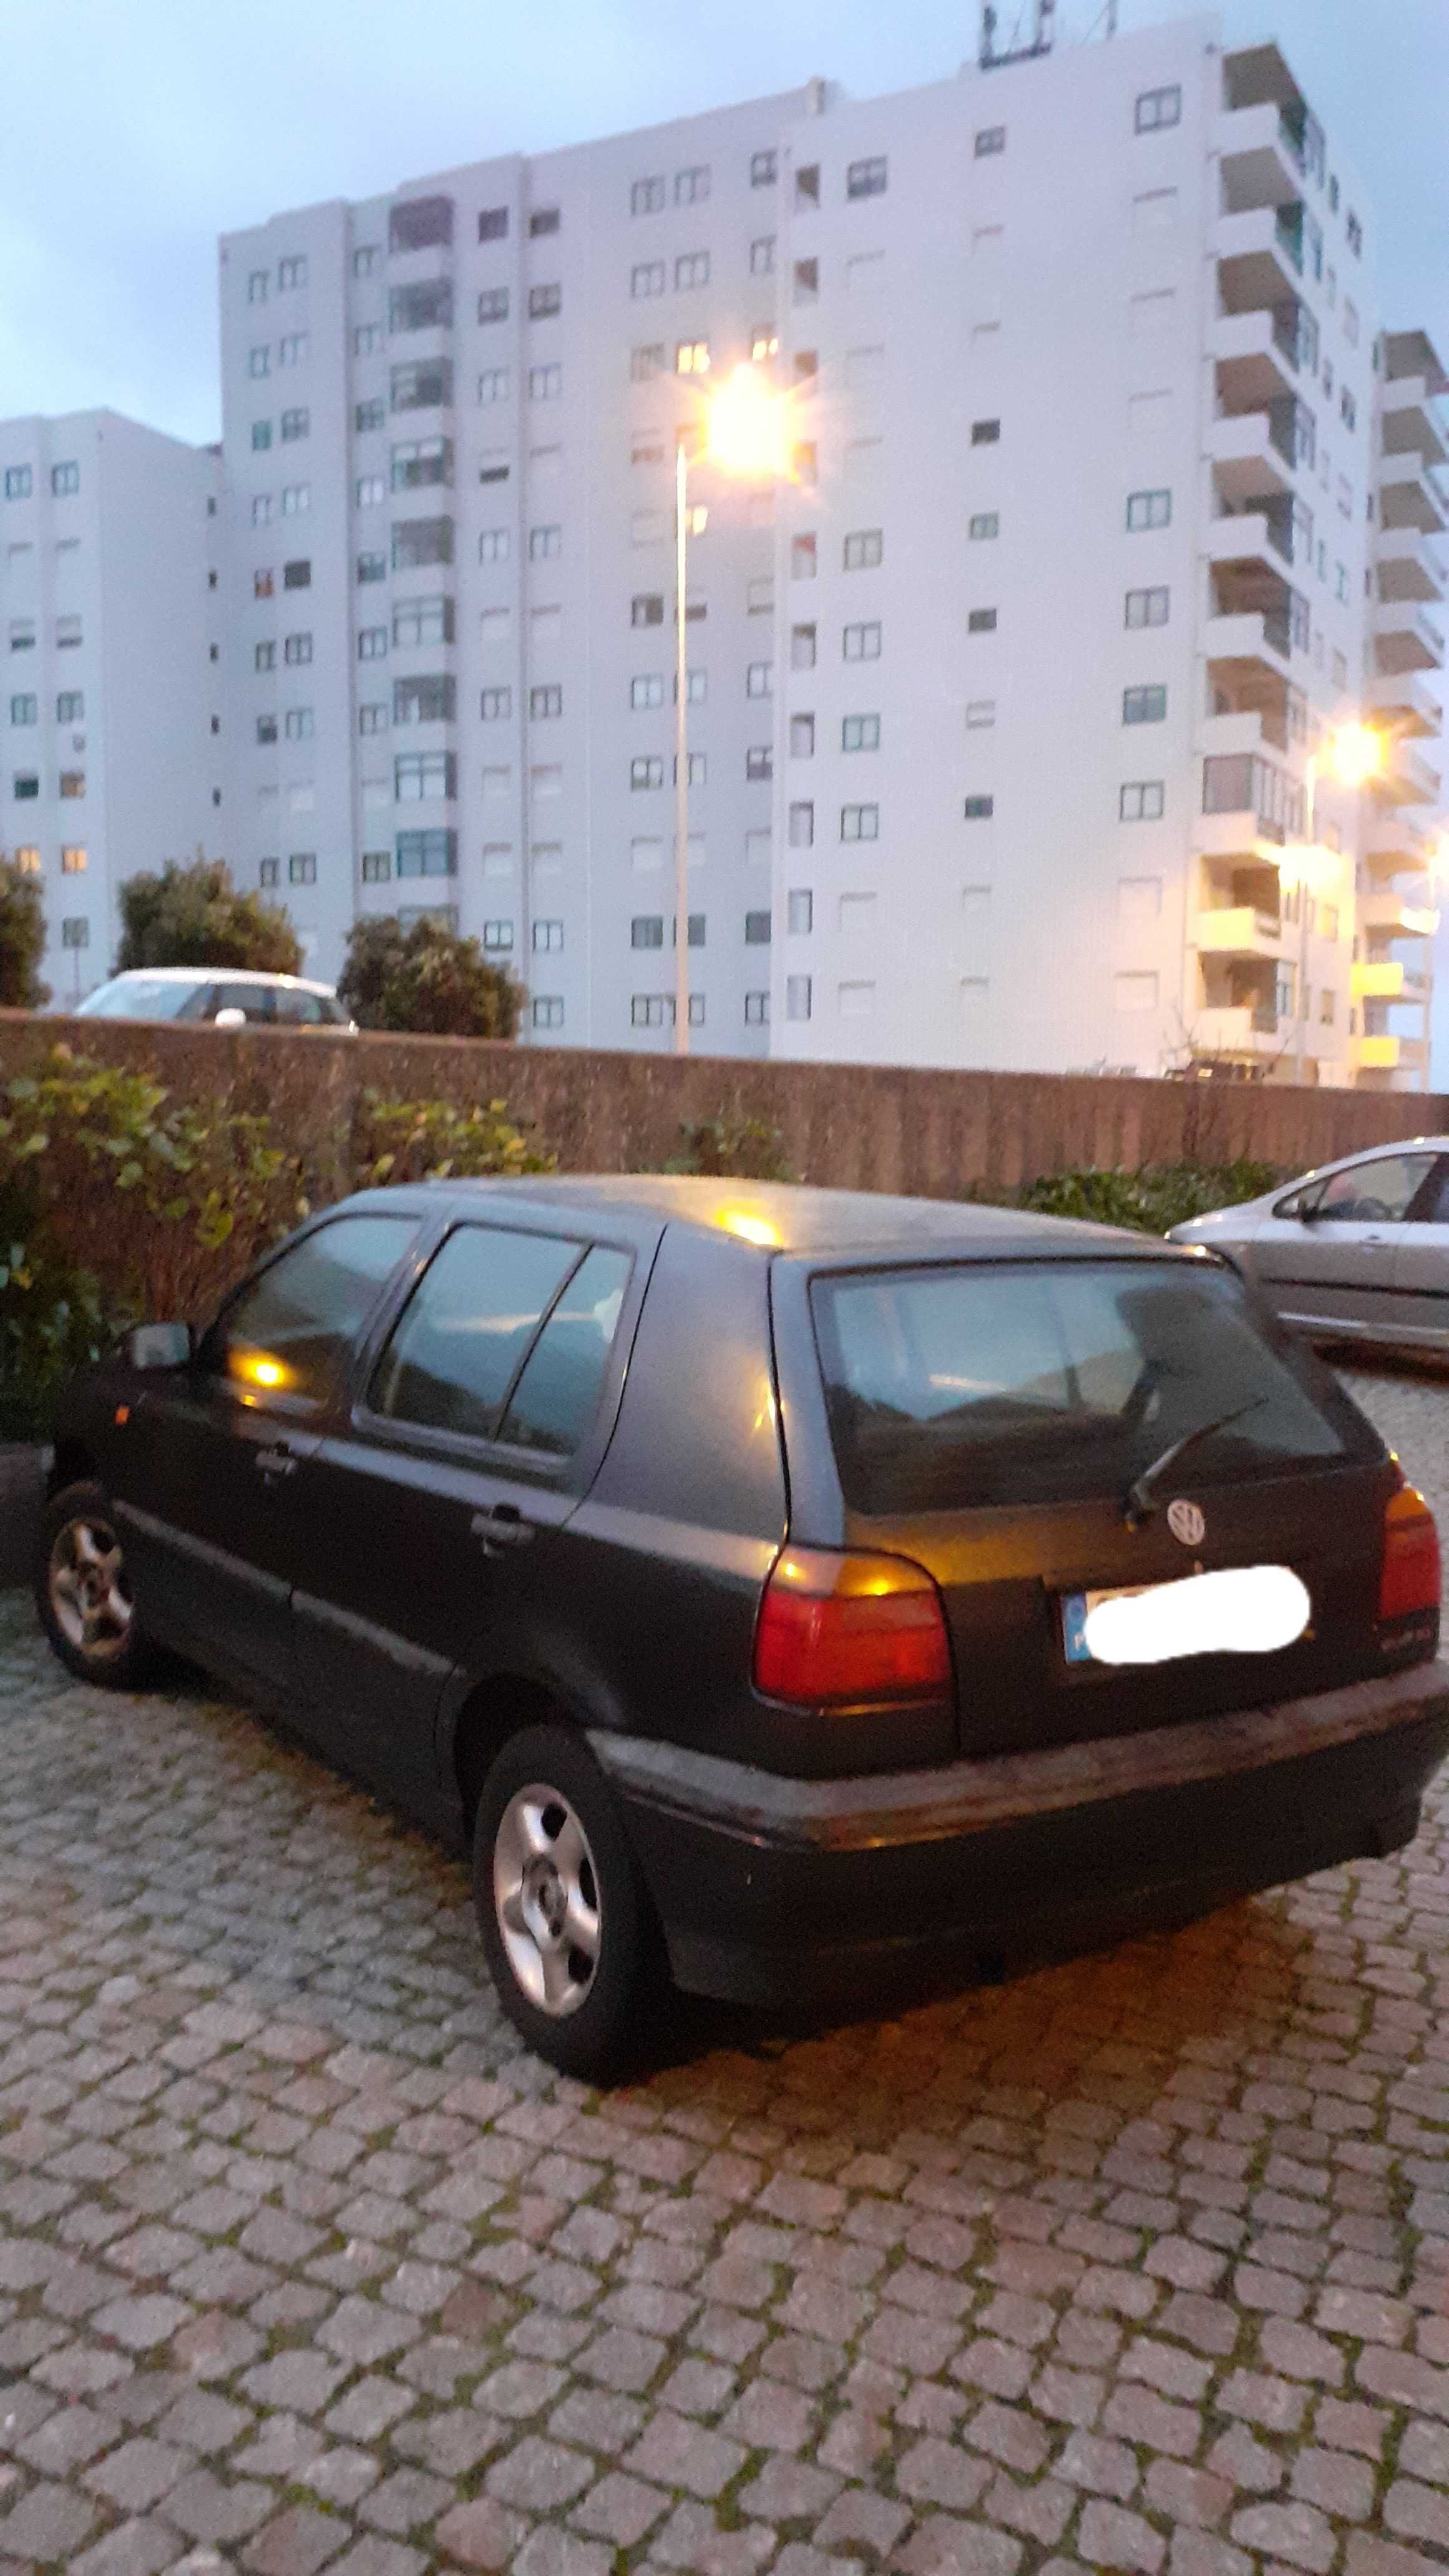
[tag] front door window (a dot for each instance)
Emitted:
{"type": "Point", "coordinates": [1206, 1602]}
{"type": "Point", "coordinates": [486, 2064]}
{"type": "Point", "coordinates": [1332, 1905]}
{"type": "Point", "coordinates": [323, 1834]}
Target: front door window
{"type": "Point", "coordinates": [291, 1331]}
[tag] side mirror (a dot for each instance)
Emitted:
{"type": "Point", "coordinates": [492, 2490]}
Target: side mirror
{"type": "Point", "coordinates": [160, 1346]}
{"type": "Point", "coordinates": [230, 1018]}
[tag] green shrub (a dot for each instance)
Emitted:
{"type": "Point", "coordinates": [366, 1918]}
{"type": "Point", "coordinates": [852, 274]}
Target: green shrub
{"type": "Point", "coordinates": [732, 1149]}
{"type": "Point", "coordinates": [425, 979]}
{"type": "Point", "coordinates": [22, 939]}
{"type": "Point", "coordinates": [194, 916]}
{"type": "Point", "coordinates": [1152, 1199]}
{"type": "Point", "coordinates": [430, 1140]}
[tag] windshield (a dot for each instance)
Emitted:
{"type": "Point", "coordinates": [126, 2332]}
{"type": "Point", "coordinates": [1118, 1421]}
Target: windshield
{"type": "Point", "coordinates": [1058, 1382]}
{"type": "Point", "coordinates": [136, 997]}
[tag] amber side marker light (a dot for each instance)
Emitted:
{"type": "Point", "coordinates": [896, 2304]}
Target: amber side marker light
{"type": "Point", "coordinates": [1410, 1574]}
{"type": "Point", "coordinates": [849, 1627]}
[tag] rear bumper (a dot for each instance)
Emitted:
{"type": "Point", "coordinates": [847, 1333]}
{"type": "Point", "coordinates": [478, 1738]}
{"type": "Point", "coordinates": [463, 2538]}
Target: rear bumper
{"type": "Point", "coordinates": [836, 1892]}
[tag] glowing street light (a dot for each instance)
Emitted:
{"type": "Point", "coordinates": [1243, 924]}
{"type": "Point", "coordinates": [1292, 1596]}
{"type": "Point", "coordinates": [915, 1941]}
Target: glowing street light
{"type": "Point", "coordinates": [747, 435]}
{"type": "Point", "coordinates": [1353, 755]}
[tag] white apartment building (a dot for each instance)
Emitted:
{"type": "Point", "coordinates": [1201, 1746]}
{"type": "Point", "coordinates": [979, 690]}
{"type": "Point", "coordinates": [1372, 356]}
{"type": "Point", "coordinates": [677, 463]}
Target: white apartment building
{"type": "Point", "coordinates": [1112, 499]}
{"type": "Point", "coordinates": [109, 669]}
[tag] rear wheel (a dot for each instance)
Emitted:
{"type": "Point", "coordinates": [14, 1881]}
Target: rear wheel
{"type": "Point", "coordinates": [83, 1591]}
{"type": "Point", "coordinates": [564, 1917]}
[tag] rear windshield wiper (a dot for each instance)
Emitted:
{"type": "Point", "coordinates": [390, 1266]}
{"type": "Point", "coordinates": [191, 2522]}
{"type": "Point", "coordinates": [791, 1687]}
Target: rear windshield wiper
{"type": "Point", "coordinates": [1140, 1500]}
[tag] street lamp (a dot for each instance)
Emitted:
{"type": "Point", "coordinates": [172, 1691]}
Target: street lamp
{"type": "Point", "coordinates": [746, 435]}
{"type": "Point", "coordinates": [1353, 755]}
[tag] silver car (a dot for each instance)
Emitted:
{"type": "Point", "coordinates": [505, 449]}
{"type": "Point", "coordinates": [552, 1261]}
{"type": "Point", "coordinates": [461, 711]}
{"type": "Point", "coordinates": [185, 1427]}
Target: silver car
{"type": "Point", "coordinates": [1358, 1251]}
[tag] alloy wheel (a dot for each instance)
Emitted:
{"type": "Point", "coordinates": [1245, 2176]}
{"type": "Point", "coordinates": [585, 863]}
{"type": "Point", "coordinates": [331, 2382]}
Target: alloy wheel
{"type": "Point", "coordinates": [89, 1594]}
{"type": "Point", "coordinates": [546, 1896]}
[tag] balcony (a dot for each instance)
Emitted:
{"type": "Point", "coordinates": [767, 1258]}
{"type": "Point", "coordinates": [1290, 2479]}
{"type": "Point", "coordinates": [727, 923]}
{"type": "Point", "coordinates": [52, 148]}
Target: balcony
{"type": "Point", "coordinates": [1256, 355]}
{"type": "Point", "coordinates": [1411, 494]}
{"type": "Point", "coordinates": [1259, 156]}
{"type": "Point", "coordinates": [1397, 914]}
{"type": "Point", "coordinates": [1414, 420]}
{"type": "Point", "coordinates": [1249, 457]}
{"type": "Point", "coordinates": [1239, 1028]}
{"type": "Point", "coordinates": [1242, 646]}
{"type": "Point", "coordinates": [1408, 703]}
{"type": "Point", "coordinates": [1240, 930]}
{"type": "Point", "coordinates": [1380, 1054]}
{"type": "Point", "coordinates": [1405, 639]}
{"type": "Point", "coordinates": [1260, 260]}
{"type": "Point", "coordinates": [1395, 847]}
{"type": "Point", "coordinates": [1385, 979]}
{"type": "Point", "coordinates": [1253, 536]}
{"type": "Point", "coordinates": [1407, 778]}
{"type": "Point", "coordinates": [1408, 566]}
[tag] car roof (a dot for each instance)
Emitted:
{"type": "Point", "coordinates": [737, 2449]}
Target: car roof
{"type": "Point", "coordinates": [784, 1216]}
{"type": "Point", "coordinates": [216, 975]}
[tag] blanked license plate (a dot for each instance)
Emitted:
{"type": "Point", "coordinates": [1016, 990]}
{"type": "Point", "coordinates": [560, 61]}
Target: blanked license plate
{"type": "Point", "coordinates": [1075, 1606]}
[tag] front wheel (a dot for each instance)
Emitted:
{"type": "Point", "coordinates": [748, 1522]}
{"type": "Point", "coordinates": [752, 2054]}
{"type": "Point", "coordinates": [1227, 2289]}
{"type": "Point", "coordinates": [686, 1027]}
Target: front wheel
{"type": "Point", "coordinates": [83, 1591]}
{"type": "Point", "coordinates": [565, 1920]}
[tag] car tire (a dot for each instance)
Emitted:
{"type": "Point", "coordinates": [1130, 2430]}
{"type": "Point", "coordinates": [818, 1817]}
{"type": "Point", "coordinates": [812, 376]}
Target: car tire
{"type": "Point", "coordinates": [83, 1592]}
{"type": "Point", "coordinates": [567, 1927]}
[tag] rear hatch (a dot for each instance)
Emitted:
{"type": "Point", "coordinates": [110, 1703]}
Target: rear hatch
{"type": "Point", "coordinates": [991, 1419]}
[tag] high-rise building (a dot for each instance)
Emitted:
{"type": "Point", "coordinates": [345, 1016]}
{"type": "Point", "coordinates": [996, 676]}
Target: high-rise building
{"type": "Point", "coordinates": [110, 675]}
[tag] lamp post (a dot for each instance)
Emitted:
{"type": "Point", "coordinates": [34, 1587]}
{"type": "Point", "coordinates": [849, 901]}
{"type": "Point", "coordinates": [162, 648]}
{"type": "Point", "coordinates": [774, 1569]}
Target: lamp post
{"type": "Point", "coordinates": [746, 434]}
{"type": "Point", "coordinates": [1354, 754]}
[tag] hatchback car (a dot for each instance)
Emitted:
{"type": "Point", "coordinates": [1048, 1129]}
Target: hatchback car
{"type": "Point", "coordinates": [228, 999]}
{"type": "Point", "coordinates": [727, 1566]}
{"type": "Point", "coordinates": [1357, 1251]}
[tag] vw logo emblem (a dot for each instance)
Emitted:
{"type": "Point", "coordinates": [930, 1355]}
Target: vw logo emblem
{"type": "Point", "coordinates": [1186, 1523]}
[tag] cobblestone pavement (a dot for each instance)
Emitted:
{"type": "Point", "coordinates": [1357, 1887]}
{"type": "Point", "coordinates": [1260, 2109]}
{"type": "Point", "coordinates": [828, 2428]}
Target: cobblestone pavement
{"type": "Point", "coordinates": [1140, 2262]}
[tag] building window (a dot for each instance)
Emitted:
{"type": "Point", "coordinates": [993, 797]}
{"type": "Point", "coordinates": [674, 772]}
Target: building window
{"type": "Point", "coordinates": [807, 186]}
{"type": "Point", "coordinates": [647, 362]}
{"type": "Point", "coordinates": [797, 997]}
{"type": "Point", "coordinates": [696, 769]}
{"type": "Point", "coordinates": [647, 609]}
{"type": "Point", "coordinates": [493, 224]}
{"type": "Point", "coordinates": [270, 872]}
{"type": "Point", "coordinates": [799, 911]}
{"type": "Point", "coordinates": [1157, 108]}
{"type": "Point", "coordinates": [807, 281]}
{"type": "Point", "coordinates": [258, 284]}
{"type": "Point", "coordinates": [866, 178]}
{"type": "Point", "coordinates": [427, 854]}
{"type": "Point", "coordinates": [1142, 800]}
{"type": "Point", "coordinates": [65, 479]}
{"type": "Point", "coordinates": [980, 712]}
{"type": "Point", "coordinates": [25, 711]}
{"type": "Point", "coordinates": [691, 187]}
{"type": "Point", "coordinates": [259, 363]}
{"type": "Point", "coordinates": [261, 585]}
{"type": "Point", "coordinates": [1148, 607]}
{"type": "Point", "coordinates": [1144, 706]}
{"type": "Point", "coordinates": [764, 344]}
{"type": "Point", "coordinates": [293, 349]}
{"type": "Point", "coordinates": [863, 549]}
{"type": "Point", "coordinates": [73, 862]}
{"type": "Point", "coordinates": [420, 776]}
{"type": "Point", "coordinates": [548, 1011]}
{"type": "Point", "coordinates": [691, 358]}
{"type": "Point", "coordinates": [302, 867]}
{"type": "Point", "coordinates": [25, 787]}
{"type": "Point", "coordinates": [372, 567]}
{"type": "Point", "coordinates": [1354, 230]}
{"type": "Point", "coordinates": [990, 139]}
{"type": "Point", "coordinates": [760, 762]}
{"type": "Point", "coordinates": [764, 168]}
{"type": "Point", "coordinates": [366, 340]}
{"type": "Point", "coordinates": [376, 867]}
{"type": "Point", "coordinates": [544, 544]}
{"type": "Point", "coordinates": [369, 415]}
{"type": "Point", "coordinates": [543, 301]}
{"type": "Point", "coordinates": [261, 434]}
{"type": "Point", "coordinates": [802, 648]}
{"type": "Point", "coordinates": [498, 934]}
{"type": "Point", "coordinates": [760, 680]}
{"type": "Point", "coordinates": [985, 433]}
{"type": "Point", "coordinates": [647, 279]}
{"type": "Point", "coordinates": [691, 269]}
{"type": "Point", "coordinates": [860, 733]}
{"type": "Point", "coordinates": [70, 707]}
{"type": "Point", "coordinates": [420, 223]}
{"type": "Point", "coordinates": [370, 490]}
{"type": "Point", "coordinates": [367, 259]}
{"type": "Point", "coordinates": [298, 725]}
{"type": "Point", "coordinates": [979, 809]}
{"type": "Point", "coordinates": [261, 509]}
{"type": "Point", "coordinates": [985, 524]}
{"type": "Point", "coordinates": [372, 719]}
{"type": "Point", "coordinates": [646, 197]}
{"type": "Point", "coordinates": [804, 556]}
{"type": "Point", "coordinates": [296, 424]}
{"type": "Point", "coordinates": [757, 1010]}
{"type": "Point", "coordinates": [802, 827]}
{"type": "Point", "coordinates": [495, 704]}
{"type": "Point", "coordinates": [981, 621]}
{"type": "Point", "coordinates": [1149, 510]}
{"type": "Point", "coordinates": [297, 575]}
{"type": "Point", "coordinates": [423, 621]}
{"type": "Point", "coordinates": [545, 701]}
{"type": "Point", "coordinates": [423, 384]}
{"type": "Point", "coordinates": [421, 541]}
{"type": "Point", "coordinates": [647, 690]}
{"type": "Point", "coordinates": [297, 648]}
{"type": "Point", "coordinates": [762, 256]}
{"type": "Point", "coordinates": [548, 937]}
{"type": "Point", "coordinates": [802, 737]}
{"type": "Point", "coordinates": [75, 933]}
{"type": "Point", "coordinates": [861, 643]}
{"type": "Point", "coordinates": [860, 822]}
{"type": "Point", "coordinates": [646, 771]}
{"type": "Point", "coordinates": [544, 219]}
{"type": "Point", "coordinates": [494, 385]}
{"type": "Point", "coordinates": [292, 272]}
{"type": "Point", "coordinates": [495, 545]}
{"type": "Point", "coordinates": [545, 384]}
{"type": "Point", "coordinates": [647, 1010]}
{"type": "Point", "coordinates": [646, 930]}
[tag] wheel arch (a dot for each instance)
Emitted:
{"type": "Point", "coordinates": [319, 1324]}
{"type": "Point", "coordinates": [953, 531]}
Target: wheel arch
{"type": "Point", "coordinates": [495, 1706]}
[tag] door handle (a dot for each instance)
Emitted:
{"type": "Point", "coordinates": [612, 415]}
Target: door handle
{"type": "Point", "coordinates": [501, 1525]}
{"type": "Point", "coordinates": [274, 1462]}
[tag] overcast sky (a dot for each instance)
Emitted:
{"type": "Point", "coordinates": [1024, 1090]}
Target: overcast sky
{"type": "Point", "coordinates": [132, 132]}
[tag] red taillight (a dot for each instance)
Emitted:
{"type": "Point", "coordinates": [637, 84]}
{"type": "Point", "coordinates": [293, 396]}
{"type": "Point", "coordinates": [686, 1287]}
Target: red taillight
{"type": "Point", "coordinates": [848, 1628]}
{"type": "Point", "coordinates": [1410, 1575]}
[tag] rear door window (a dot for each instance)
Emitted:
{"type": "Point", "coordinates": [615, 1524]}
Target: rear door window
{"type": "Point", "coordinates": [466, 1329]}
{"type": "Point", "coordinates": [557, 1394]}
{"type": "Point", "coordinates": [1001, 1383]}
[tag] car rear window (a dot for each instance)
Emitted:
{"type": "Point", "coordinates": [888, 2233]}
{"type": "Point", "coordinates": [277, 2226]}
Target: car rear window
{"type": "Point", "coordinates": [979, 1384]}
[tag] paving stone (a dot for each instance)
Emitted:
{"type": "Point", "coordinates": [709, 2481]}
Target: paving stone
{"type": "Point", "coordinates": [298, 2543]}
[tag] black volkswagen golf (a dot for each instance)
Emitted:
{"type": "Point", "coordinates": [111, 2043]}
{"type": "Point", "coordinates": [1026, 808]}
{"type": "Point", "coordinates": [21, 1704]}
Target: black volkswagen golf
{"type": "Point", "coordinates": [781, 1587]}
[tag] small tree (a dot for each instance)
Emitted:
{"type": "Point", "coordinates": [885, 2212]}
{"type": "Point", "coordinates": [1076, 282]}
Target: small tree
{"type": "Point", "coordinates": [425, 980]}
{"type": "Point", "coordinates": [194, 916]}
{"type": "Point", "coordinates": [22, 939]}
